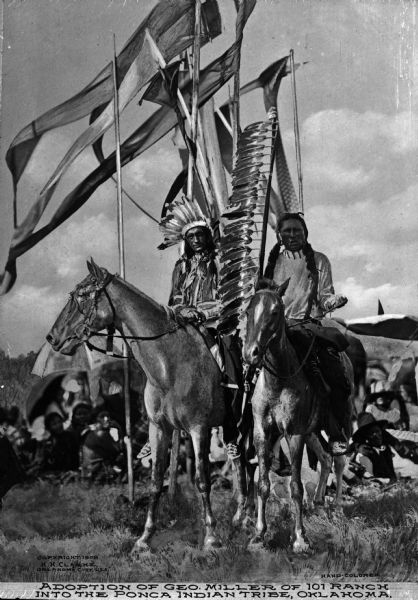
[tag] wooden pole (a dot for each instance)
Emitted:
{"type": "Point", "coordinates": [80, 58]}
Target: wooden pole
{"type": "Point", "coordinates": [200, 162]}
{"type": "Point", "coordinates": [121, 245]}
{"type": "Point", "coordinates": [296, 130]}
{"type": "Point", "coordinates": [195, 94]}
{"type": "Point", "coordinates": [240, 5]}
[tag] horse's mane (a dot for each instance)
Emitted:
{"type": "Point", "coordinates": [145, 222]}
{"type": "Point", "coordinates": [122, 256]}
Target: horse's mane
{"type": "Point", "coordinates": [267, 284]}
{"type": "Point", "coordinates": [90, 283]}
{"type": "Point", "coordinates": [137, 291]}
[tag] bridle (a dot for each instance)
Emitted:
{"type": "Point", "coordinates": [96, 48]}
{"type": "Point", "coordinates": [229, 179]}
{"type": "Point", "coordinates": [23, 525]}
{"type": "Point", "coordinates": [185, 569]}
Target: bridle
{"type": "Point", "coordinates": [85, 330]}
{"type": "Point", "coordinates": [266, 364]}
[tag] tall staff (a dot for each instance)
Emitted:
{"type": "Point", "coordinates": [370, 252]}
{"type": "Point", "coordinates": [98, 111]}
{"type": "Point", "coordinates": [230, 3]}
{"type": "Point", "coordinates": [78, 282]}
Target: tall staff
{"type": "Point", "coordinates": [121, 246]}
{"type": "Point", "coordinates": [195, 96]}
{"type": "Point", "coordinates": [296, 130]}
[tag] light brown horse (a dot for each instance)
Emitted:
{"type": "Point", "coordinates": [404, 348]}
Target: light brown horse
{"type": "Point", "coordinates": [284, 401]}
{"type": "Point", "coordinates": [183, 389]}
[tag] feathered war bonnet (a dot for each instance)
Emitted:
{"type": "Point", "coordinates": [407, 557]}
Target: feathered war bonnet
{"type": "Point", "coordinates": [182, 215]}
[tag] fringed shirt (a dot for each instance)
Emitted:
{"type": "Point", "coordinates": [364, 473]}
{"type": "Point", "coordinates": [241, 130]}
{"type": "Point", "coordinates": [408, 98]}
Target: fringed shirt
{"type": "Point", "coordinates": [195, 284]}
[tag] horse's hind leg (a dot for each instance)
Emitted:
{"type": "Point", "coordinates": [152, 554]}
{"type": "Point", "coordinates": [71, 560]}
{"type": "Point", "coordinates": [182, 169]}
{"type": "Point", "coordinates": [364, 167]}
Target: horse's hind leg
{"type": "Point", "coordinates": [200, 441]}
{"type": "Point", "coordinates": [159, 448]}
{"type": "Point", "coordinates": [339, 466]}
{"type": "Point", "coordinates": [296, 444]}
{"type": "Point", "coordinates": [325, 461]}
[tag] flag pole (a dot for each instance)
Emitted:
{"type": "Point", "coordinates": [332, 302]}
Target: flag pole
{"type": "Point", "coordinates": [296, 129]}
{"type": "Point", "coordinates": [121, 245]}
{"type": "Point", "coordinates": [239, 26]}
{"type": "Point", "coordinates": [202, 173]}
{"type": "Point", "coordinates": [195, 95]}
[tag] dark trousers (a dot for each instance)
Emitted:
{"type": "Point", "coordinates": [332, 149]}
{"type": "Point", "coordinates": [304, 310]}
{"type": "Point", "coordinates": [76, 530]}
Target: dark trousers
{"type": "Point", "coordinates": [237, 421]}
{"type": "Point", "coordinates": [324, 364]}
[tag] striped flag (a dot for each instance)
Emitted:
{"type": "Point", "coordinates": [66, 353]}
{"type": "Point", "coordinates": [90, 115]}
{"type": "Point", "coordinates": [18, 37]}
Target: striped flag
{"type": "Point", "coordinates": [212, 78]}
{"type": "Point", "coordinates": [171, 25]}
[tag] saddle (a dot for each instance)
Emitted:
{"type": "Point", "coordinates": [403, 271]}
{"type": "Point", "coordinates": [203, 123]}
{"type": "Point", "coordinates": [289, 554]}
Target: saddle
{"type": "Point", "coordinates": [326, 335]}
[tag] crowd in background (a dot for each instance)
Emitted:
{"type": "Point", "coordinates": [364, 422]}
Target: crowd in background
{"type": "Point", "coordinates": [83, 442]}
{"type": "Point", "coordinates": [77, 440]}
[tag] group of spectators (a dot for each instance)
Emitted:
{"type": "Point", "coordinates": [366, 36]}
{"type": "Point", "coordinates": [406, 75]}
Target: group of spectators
{"type": "Point", "coordinates": [382, 433]}
{"type": "Point", "coordinates": [87, 443]}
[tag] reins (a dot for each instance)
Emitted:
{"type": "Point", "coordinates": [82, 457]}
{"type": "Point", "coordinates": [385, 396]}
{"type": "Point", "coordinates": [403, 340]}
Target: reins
{"type": "Point", "coordinates": [298, 370]}
{"type": "Point", "coordinates": [269, 368]}
{"type": "Point", "coordinates": [110, 335]}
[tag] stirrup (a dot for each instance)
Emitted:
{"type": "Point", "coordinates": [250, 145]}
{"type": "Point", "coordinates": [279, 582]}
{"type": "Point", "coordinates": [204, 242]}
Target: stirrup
{"type": "Point", "coordinates": [232, 451]}
{"type": "Point", "coordinates": [145, 451]}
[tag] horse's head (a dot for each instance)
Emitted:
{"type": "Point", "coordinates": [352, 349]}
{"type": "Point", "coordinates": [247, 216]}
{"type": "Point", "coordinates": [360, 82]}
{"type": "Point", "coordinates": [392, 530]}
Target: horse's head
{"type": "Point", "coordinates": [88, 310]}
{"type": "Point", "coordinates": [265, 319]}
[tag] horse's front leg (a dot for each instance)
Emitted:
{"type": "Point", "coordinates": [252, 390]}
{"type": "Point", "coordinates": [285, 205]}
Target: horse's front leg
{"type": "Point", "coordinates": [200, 439]}
{"type": "Point", "coordinates": [296, 444]}
{"type": "Point", "coordinates": [249, 502]}
{"type": "Point", "coordinates": [261, 442]}
{"type": "Point", "coordinates": [239, 468]}
{"type": "Point", "coordinates": [159, 447]}
{"type": "Point", "coordinates": [325, 460]}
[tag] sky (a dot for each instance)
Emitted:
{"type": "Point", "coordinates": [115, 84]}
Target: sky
{"type": "Point", "coordinates": [358, 120]}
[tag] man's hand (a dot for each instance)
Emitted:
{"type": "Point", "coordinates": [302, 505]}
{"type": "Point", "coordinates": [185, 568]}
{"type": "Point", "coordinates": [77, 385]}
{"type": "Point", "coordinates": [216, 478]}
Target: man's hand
{"type": "Point", "coordinates": [334, 302]}
{"type": "Point", "coordinates": [191, 315]}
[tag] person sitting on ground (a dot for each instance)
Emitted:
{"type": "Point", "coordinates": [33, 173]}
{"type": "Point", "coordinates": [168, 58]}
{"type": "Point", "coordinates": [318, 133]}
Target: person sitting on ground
{"type": "Point", "coordinates": [101, 451]}
{"type": "Point", "coordinates": [371, 444]}
{"type": "Point", "coordinates": [384, 404]}
{"type": "Point", "coordinates": [309, 296]}
{"type": "Point", "coordinates": [81, 416]}
{"type": "Point", "coordinates": [11, 472]}
{"type": "Point", "coordinates": [60, 450]}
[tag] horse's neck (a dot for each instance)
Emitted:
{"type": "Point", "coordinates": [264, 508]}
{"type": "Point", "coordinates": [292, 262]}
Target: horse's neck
{"type": "Point", "coordinates": [139, 313]}
{"type": "Point", "coordinates": [139, 316]}
{"type": "Point", "coordinates": [282, 356]}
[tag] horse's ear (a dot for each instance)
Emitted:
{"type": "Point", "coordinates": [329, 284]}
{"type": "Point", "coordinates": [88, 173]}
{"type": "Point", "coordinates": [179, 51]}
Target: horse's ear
{"type": "Point", "coordinates": [281, 289]}
{"type": "Point", "coordinates": [95, 270]}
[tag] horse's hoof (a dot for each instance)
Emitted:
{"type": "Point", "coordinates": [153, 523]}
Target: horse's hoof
{"type": "Point", "coordinates": [140, 549]}
{"type": "Point", "coordinates": [256, 543]}
{"type": "Point", "coordinates": [211, 542]}
{"type": "Point", "coordinates": [237, 518]}
{"type": "Point", "coordinates": [301, 547]}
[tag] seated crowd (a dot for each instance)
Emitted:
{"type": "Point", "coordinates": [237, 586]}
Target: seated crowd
{"type": "Point", "coordinates": [90, 446]}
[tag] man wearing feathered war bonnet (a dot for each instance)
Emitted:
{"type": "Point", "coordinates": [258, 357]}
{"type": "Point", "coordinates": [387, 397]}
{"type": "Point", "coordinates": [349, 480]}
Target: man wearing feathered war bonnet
{"type": "Point", "coordinates": [194, 299]}
{"type": "Point", "coordinates": [309, 296]}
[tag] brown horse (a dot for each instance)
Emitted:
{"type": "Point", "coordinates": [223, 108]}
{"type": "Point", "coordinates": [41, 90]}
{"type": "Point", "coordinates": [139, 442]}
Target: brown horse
{"type": "Point", "coordinates": [183, 389]}
{"type": "Point", "coordinates": [283, 400]}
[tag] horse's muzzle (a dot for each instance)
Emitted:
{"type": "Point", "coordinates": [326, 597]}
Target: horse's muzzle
{"type": "Point", "coordinates": [252, 355]}
{"type": "Point", "coordinates": [52, 341]}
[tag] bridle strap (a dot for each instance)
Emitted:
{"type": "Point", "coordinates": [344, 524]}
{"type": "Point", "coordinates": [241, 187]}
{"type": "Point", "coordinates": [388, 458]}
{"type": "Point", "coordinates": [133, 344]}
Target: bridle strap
{"type": "Point", "coordinates": [110, 335]}
{"type": "Point", "coordinates": [270, 370]}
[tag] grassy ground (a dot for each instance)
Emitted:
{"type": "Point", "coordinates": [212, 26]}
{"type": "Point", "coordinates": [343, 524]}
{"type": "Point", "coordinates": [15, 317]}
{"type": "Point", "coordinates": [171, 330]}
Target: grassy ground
{"type": "Point", "coordinates": [375, 535]}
